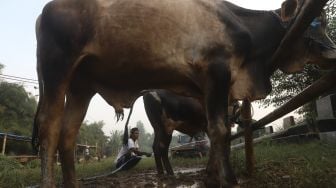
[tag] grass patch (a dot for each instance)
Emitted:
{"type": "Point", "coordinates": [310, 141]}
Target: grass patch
{"type": "Point", "coordinates": [277, 165]}
{"type": "Point", "coordinates": [290, 165]}
{"type": "Point", "coordinates": [13, 174]}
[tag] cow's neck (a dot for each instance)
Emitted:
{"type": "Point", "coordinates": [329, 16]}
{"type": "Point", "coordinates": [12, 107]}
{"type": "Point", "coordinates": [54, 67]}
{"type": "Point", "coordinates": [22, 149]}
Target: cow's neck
{"type": "Point", "coordinates": [266, 34]}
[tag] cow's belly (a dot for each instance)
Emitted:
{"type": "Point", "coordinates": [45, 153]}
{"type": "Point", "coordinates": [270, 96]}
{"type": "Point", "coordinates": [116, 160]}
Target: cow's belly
{"type": "Point", "coordinates": [185, 127]}
{"type": "Point", "coordinates": [120, 86]}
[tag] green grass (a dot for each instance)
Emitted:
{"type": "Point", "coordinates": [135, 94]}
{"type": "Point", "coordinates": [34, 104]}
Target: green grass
{"type": "Point", "coordinates": [290, 165]}
{"type": "Point", "coordinates": [13, 174]}
{"type": "Point", "coordinates": [277, 165]}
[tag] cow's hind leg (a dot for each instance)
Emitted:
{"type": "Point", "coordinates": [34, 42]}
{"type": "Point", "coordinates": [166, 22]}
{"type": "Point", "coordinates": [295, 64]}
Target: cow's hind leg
{"type": "Point", "coordinates": [77, 101]}
{"type": "Point", "coordinates": [59, 41]}
{"type": "Point", "coordinates": [154, 113]}
{"type": "Point", "coordinates": [219, 171]}
{"type": "Point", "coordinates": [164, 147]}
{"type": "Point", "coordinates": [55, 76]}
{"type": "Point", "coordinates": [158, 154]}
{"type": "Point", "coordinates": [160, 148]}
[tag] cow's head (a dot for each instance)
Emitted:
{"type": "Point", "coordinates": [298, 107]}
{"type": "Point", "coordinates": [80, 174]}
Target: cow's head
{"type": "Point", "coordinates": [314, 46]}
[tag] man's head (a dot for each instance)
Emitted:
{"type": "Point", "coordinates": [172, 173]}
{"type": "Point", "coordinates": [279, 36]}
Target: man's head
{"type": "Point", "coordinates": [134, 133]}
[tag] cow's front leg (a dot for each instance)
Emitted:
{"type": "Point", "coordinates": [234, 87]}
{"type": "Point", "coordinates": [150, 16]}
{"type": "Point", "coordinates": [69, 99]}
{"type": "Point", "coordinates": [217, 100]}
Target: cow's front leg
{"type": "Point", "coordinates": [219, 171]}
{"type": "Point", "coordinates": [76, 106]}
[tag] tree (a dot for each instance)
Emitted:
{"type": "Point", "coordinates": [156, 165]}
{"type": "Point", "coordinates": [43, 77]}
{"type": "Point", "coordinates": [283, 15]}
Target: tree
{"type": "Point", "coordinates": [17, 110]}
{"type": "Point", "coordinates": [1, 67]}
{"type": "Point", "coordinates": [145, 139]}
{"type": "Point", "coordinates": [92, 134]}
{"type": "Point", "coordinates": [114, 143]}
{"type": "Point", "coordinates": [331, 12]}
{"type": "Point", "coordinates": [287, 86]}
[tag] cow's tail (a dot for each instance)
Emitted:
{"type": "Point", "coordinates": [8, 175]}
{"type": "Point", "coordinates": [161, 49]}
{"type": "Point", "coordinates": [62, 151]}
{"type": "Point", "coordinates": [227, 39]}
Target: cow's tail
{"type": "Point", "coordinates": [125, 137]}
{"type": "Point", "coordinates": [35, 139]}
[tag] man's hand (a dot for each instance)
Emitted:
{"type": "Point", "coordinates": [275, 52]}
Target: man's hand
{"type": "Point", "coordinates": [148, 154]}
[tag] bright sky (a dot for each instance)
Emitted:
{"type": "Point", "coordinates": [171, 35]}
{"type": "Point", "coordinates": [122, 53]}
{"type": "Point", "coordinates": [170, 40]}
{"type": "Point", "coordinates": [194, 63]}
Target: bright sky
{"type": "Point", "coordinates": [18, 46]}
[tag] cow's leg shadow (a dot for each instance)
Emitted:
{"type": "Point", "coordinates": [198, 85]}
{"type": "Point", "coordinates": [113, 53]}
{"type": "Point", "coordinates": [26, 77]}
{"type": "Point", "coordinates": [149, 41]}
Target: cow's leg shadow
{"type": "Point", "coordinates": [219, 170]}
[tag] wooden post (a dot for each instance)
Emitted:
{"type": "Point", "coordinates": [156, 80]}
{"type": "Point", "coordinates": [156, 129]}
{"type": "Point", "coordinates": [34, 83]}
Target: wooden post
{"type": "Point", "coordinates": [96, 148]}
{"type": "Point", "coordinates": [4, 144]}
{"type": "Point", "coordinates": [246, 120]}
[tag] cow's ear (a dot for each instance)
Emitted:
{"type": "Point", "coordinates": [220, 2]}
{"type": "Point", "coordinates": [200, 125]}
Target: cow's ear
{"type": "Point", "coordinates": [288, 9]}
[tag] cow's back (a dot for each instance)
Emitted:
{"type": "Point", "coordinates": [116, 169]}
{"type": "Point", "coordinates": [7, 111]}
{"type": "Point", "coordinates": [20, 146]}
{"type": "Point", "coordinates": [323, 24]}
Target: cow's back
{"type": "Point", "coordinates": [158, 34]}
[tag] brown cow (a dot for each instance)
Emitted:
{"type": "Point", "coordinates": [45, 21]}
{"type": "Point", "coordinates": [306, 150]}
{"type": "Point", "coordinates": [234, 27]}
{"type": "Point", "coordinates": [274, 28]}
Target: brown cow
{"type": "Point", "coordinates": [207, 49]}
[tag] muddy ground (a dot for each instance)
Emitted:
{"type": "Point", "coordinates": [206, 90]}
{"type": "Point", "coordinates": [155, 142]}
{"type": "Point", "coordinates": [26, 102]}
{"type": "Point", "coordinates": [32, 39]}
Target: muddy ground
{"type": "Point", "coordinates": [186, 178]}
{"type": "Point", "coordinates": [148, 178]}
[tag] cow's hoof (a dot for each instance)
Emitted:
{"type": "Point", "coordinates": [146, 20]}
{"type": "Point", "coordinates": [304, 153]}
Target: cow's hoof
{"type": "Point", "coordinates": [211, 183]}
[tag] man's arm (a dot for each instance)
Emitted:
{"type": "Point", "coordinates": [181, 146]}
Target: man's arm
{"type": "Point", "coordinates": [139, 153]}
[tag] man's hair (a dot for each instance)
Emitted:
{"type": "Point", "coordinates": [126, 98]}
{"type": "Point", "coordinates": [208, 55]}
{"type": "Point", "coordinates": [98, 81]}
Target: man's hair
{"type": "Point", "coordinates": [134, 129]}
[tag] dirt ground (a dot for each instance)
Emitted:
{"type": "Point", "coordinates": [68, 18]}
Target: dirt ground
{"type": "Point", "coordinates": [145, 179]}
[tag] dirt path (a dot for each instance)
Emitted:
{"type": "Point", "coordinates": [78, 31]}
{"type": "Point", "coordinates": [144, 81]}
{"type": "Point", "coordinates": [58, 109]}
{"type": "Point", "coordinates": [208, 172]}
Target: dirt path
{"type": "Point", "coordinates": [149, 178]}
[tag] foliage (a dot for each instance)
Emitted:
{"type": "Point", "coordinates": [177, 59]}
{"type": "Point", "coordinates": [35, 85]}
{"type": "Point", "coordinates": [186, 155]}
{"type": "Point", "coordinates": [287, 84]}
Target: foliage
{"type": "Point", "coordinates": [331, 12]}
{"type": "Point", "coordinates": [114, 143]}
{"type": "Point", "coordinates": [92, 134]}
{"type": "Point", "coordinates": [287, 86]}
{"type": "Point", "coordinates": [1, 67]}
{"type": "Point", "coordinates": [17, 110]}
{"type": "Point", "coordinates": [145, 139]}
{"type": "Point", "coordinates": [7, 164]}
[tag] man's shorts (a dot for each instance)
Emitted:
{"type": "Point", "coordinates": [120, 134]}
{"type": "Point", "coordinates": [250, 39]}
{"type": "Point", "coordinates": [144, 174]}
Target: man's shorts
{"type": "Point", "coordinates": [127, 162]}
